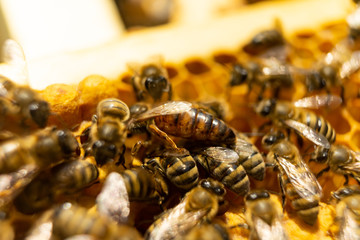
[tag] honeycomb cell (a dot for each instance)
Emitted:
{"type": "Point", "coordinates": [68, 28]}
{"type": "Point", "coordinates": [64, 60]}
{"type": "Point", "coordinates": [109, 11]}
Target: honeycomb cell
{"type": "Point", "coordinates": [225, 58]}
{"type": "Point", "coordinates": [326, 46]}
{"type": "Point", "coordinates": [186, 90]}
{"type": "Point", "coordinates": [171, 71]}
{"type": "Point", "coordinates": [339, 122]}
{"type": "Point", "coordinates": [196, 67]}
{"type": "Point", "coordinates": [353, 107]}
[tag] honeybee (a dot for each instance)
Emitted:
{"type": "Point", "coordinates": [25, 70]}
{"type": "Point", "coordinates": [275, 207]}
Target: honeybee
{"type": "Point", "coordinates": [348, 212]}
{"type": "Point", "coordinates": [297, 182]}
{"type": "Point", "coordinates": [223, 165]}
{"type": "Point", "coordinates": [306, 123]}
{"type": "Point", "coordinates": [264, 216]}
{"type": "Point", "coordinates": [267, 73]}
{"type": "Point", "coordinates": [150, 82]}
{"type": "Point", "coordinates": [180, 119]}
{"type": "Point", "coordinates": [268, 43]}
{"type": "Point", "coordinates": [19, 103]}
{"type": "Point", "coordinates": [340, 160]}
{"type": "Point", "coordinates": [249, 156]}
{"type": "Point", "coordinates": [208, 231]}
{"type": "Point", "coordinates": [44, 148]}
{"type": "Point", "coordinates": [65, 178]}
{"type": "Point", "coordinates": [105, 138]}
{"type": "Point", "coordinates": [131, 185]}
{"type": "Point", "coordinates": [201, 204]}
{"type": "Point", "coordinates": [177, 165]}
{"type": "Point", "coordinates": [70, 220]}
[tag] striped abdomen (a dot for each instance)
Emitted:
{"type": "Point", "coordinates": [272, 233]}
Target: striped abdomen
{"type": "Point", "coordinates": [196, 125]}
{"type": "Point", "coordinates": [250, 157]}
{"type": "Point", "coordinates": [232, 175]}
{"type": "Point", "coordinates": [181, 171]}
{"type": "Point", "coordinates": [74, 175]}
{"type": "Point", "coordinates": [316, 122]}
{"type": "Point", "coordinates": [307, 209]}
{"type": "Point", "coordinates": [140, 184]}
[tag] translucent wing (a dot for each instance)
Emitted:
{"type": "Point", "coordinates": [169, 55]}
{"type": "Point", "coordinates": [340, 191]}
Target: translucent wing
{"type": "Point", "coordinates": [353, 167]}
{"type": "Point", "coordinates": [42, 228]}
{"type": "Point", "coordinates": [12, 184]}
{"type": "Point", "coordinates": [175, 222]}
{"type": "Point", "coordinates": [269, 232]}
{"type": "Point", "coordinates": [243, 145]}
{"type": "Point", "coordinates": [113, 200]}
{"type": "Point", "coordinates": [349, 227]}
{"type": "Point", "coordinates": [16, 66]}
{"type": "Point", "coordinates": [301, 178]}
{"type": "Point", "coordinates": [317, 101]}
{"type": "Point", "coordinates": [81, 237]}
{"type": "Point", "coordinates": [350, 66]}
{"type": "Point", "coordinates": [221, 154]}
{"type": "Point", "coordinates": [169, 108]}
{"type": "Point", "coordinates": [274, 67]}
{"type": "Point", "coordinates": [308, 133]}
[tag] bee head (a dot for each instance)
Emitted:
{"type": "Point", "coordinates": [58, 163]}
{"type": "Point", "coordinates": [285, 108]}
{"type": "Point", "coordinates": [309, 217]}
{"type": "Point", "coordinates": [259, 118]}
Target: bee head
{"type": "Point", "coordinates": [265, 107]}
{"type": "Point", "coordinates": [156, 85]}
{"type": "Point", "coordinates": [272, 138]}
{"type": "Point", "coordinates": [315, 81]}
{"type": "Point", "coordinates": [213, 186]}
{"type": "Point", "coordinates": [239, 75]}
{"type": "Point", "coordinates": [39, 111]}
{"type": "Point", "coordinates": [103, 152]}
{"type": "Point", "coordinates": [254, 195]}
{"type": "Point", "coordinates": [67, 142]}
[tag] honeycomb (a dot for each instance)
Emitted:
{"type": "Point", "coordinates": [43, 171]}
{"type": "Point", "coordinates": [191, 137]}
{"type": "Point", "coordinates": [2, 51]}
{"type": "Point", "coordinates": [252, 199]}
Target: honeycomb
{"type": "Point", "coordinates": [205, 79]}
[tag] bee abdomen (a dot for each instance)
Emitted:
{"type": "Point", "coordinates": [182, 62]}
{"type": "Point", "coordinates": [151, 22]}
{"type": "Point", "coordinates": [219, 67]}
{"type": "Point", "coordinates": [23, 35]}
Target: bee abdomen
{"type": "Point", "coordinates": [319, 124]}
{"type": "Point", "coordinates": [236, 179]}
{"type": "Point", "coordinates": [139, 184]}
{"type": "Point", "coordinates": [254, 165]}
{"type": "Point", "coordinates": [182, 173]}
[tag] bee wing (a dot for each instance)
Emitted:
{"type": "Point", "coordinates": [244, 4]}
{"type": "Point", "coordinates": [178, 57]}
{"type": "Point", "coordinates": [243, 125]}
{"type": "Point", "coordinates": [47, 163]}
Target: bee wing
{"type": "Point", "coordinates": [353, 167]}
{"type": "Point", "coordinates": [301, 178]}
{"type": "Point", "coordinates": [12, 184]}
{"type": "Point", "coordinates": [169, 108]}
{"type": "Point", "coordinates": [350, 66]}
{"type": "Point", "coordinates": [275, 231]}
{"type": "Point", "coordinates": [274, 67]}
{"type": "Point", "coordinates": [308, 133]}
{"type": "Point", "coordinates": [113, 200]}
{"type": "Point", "coordinates": [222, 154]}
{"type": "Point", "coordinates": [243, 145]}
{"type": "Point", "coordinates": [176, 222]}
{"type": "Point", "coordinates": [349, 227]}
{"type": "Point", "coordinates": [14, 57]}
{"type": "Point", "coordinates": [317, 101]}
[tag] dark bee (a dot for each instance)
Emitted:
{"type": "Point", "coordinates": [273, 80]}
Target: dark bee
{"type": "Point", "coordinates": [264, 216]}
{"type": "Point", "coordinates": [297, 182]}
{"type": "Point", "coordinates": [151, 83]}
{"type": "Point", "coordinates": [223, 164]}
{"type": "Point", "coordinates": [105, 138]}
{"type": "Point", "coordinates": [264, 41]}
{"type": "Point", "coordinates": [340, 160]}
{"type": "Point", "coordinates": [348, 212]}
{"type": "Point", "coordinates": [303, 121]}
{"type": "Point", "coordinates": [267, 74]}
{"type": "Point", "coordinates": [20, 103]}
{"type": "Point", "coordinates": [177, 165]}
{"type": "Point", "coordinates": [208, 231]}
{"type": "Point", "coordinates": [131, 185]}
{"type": "Point", "coordinates": [199, 205]}
{"type": "Point", "coordinates": [70, 220]}
{"type": "Point", "coordinates": [43, 148]}
{"type": "Point", "coordinates": [180, 119]}
{"type": "Point", "coordinates": [249, 157]}
{"type": "Point", "coordinates": [65, 178]}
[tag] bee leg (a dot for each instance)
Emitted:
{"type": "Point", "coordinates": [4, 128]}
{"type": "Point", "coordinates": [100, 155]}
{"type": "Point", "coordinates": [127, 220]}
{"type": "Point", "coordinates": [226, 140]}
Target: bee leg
{"type": "Point", "coordinates": [282, 188]}
{"type": "Point", "coordinates": [122, 158]}
{"type": "Point", "coordinates": [342, 94]}
{"type": "Point", "coordinates": [261, 94]}
{"type": "Point", "coordinates": [268, 123]}
{"type": "Point", "coordinates": [319, 174]}
{"type": "Point", "coordinates": [162, 135]}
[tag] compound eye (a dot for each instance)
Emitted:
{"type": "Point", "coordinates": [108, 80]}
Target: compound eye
{"type": "Point", "coordinates": [238, 75]}
{"type": "Point", "coordinates": [205, 184]}
{"type": "Point", "coordinates": [40, 112]}
{"type": "Point", "coordinates": [252, 196]}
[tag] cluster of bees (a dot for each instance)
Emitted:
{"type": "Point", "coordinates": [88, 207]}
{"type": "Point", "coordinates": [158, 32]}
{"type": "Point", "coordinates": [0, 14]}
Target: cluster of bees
{"type": "Point", "coordinates": [186, 158]}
